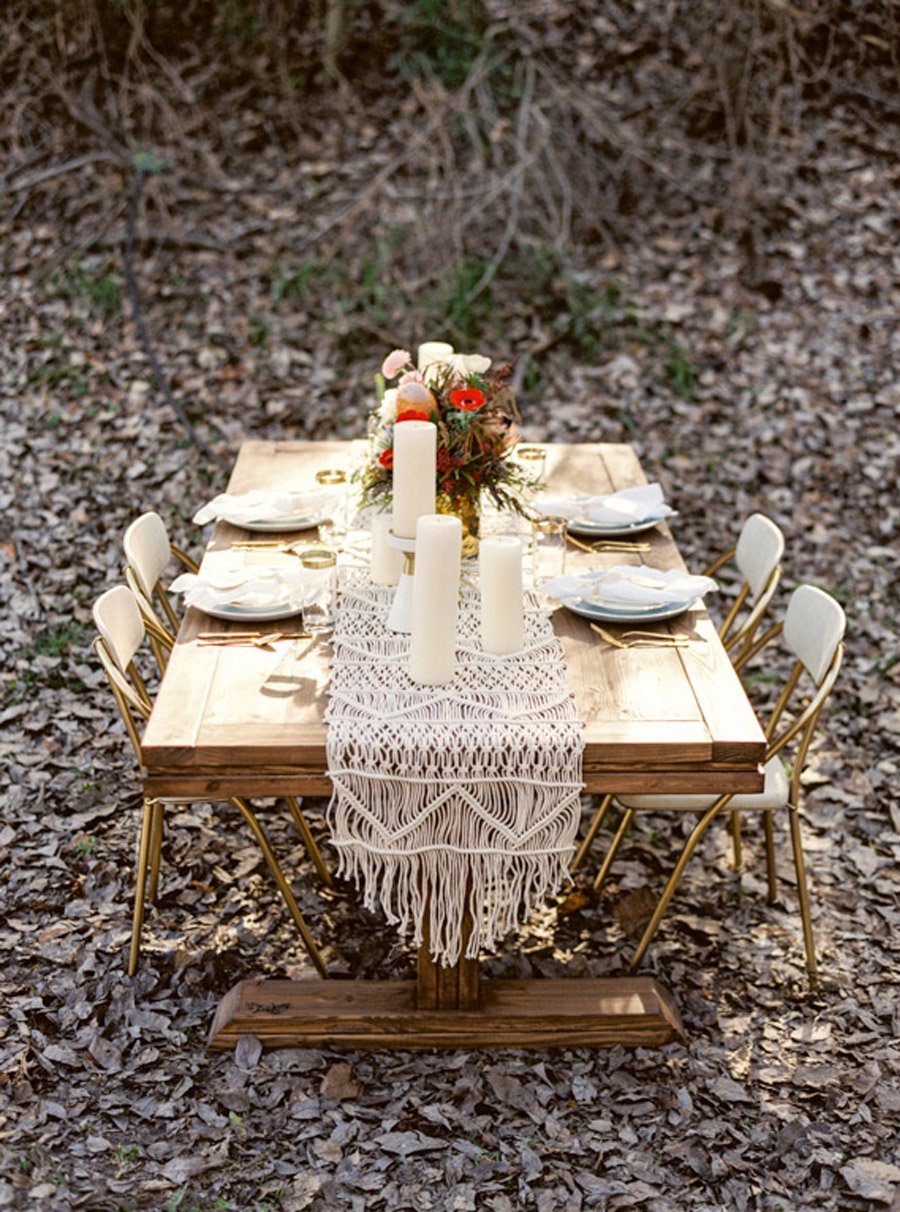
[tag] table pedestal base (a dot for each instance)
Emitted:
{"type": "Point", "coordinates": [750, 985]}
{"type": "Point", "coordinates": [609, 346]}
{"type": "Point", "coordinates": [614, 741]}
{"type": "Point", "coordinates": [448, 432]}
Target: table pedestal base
{"type": "Point", "coordinates": [632, 1011]}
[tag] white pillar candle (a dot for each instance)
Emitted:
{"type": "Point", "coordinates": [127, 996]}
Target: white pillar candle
{"type": "Point", "coordinates": [432, 648]}
{"type": "Point", "coordinates": [433, 351]}
{"type": "Point", "coordinates": [415, 452]}
{"type": "Point", "coordinates": [386, 562]}
{"type": "Point", "coordinates": [502, 611]}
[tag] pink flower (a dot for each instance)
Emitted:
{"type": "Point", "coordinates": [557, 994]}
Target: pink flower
{"type": "Point", "coordinates": [395, 362]}
{"type": "Point", "coordinates": [412, 376]}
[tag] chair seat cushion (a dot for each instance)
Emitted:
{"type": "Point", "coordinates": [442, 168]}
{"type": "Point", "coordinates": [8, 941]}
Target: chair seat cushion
{"type": "Point", "coordinates": [773, 795]}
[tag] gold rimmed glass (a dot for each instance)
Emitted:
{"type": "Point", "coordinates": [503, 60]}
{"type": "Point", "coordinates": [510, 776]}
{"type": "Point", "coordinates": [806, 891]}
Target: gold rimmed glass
{"type": "Point", "coordinates": [333, 527]}
{"type": "Point", "coordinates": [319, 614]}
{"type": "Point", "coordinates": [548, 549]}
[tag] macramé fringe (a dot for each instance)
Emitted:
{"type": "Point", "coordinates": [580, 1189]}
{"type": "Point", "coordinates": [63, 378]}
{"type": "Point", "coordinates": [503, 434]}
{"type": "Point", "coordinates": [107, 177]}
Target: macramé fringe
{"type": "Point", "coordinates": [451, 798]}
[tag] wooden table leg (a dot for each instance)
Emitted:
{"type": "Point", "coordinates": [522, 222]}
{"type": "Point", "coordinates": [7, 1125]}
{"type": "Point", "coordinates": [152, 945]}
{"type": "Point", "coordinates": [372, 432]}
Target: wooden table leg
{"type": "Point", "coordinates": [448, 1008]}
{"type": "Point", "coordinates": [455, 988]}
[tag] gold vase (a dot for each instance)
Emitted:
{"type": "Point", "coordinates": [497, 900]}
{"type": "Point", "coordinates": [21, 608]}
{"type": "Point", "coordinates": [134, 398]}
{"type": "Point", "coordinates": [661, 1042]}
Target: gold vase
{"type": "Point", "coordinates": [468, 511]}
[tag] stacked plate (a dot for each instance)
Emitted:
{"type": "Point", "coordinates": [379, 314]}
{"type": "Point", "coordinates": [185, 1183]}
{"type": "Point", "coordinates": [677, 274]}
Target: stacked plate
{"type": "Point", "coordinates": [278, 510]}
{"type": "Point", "coordinates": [628, 594]}
{"type": "Point", "coordinates": [258, 595]}
{"type": "Point", "coordinates": [611, 515]}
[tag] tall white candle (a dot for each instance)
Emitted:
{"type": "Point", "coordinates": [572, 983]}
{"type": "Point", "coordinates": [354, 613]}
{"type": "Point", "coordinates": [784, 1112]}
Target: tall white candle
{"type": "Point", "coordinates": [386, 562]}
{"type": "Point", "coordinates": [433, 351]}
{"type": "Point", "coordinates": [502, 611]}
{"type": "Point", "coordinates": [432, 649]}
{"type": "Point", "coordinates": [415, 450]}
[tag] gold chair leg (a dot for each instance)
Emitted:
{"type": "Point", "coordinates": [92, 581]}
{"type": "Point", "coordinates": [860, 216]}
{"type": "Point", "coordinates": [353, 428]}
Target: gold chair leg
{"type": "Point", "coordinates": [137, 922]}
{"type": "Point", "coordinates": [283, 886]}
{"type": "Point", "coordinates": [803, 894]}
{"type": "Point", "coordinates": [626, 820]}
{"type": "Point", "coordinates": [771, 870]}
{"type": "Point", "coordinates": [593, 830]}
{"type": "Point", "coordinates": [156, 838]}
{"type": "Point", "coordinates": [736, 840]}
{"type": "Point", "coordinates": [309, 841]}
{"type": "Point", "coordinates": [673, 882]}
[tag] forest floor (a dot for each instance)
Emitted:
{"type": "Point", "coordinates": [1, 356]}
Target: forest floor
{"type": "Point", "coordinates": [777, 393]}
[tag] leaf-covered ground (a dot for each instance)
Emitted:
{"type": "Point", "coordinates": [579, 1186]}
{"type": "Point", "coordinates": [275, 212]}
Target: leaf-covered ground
{"type": "Point", "coordinates": [774, 391]}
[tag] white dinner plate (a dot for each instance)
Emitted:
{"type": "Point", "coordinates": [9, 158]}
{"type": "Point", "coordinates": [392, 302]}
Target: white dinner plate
{"type": "Point", "coordinates": [627, 614]}
{"type": "Point", "coordinates": [297, 521]}
{"type": "Point", "coordinates": [234, 613]}
{"type": "Point", "coordinates": [612, 530]}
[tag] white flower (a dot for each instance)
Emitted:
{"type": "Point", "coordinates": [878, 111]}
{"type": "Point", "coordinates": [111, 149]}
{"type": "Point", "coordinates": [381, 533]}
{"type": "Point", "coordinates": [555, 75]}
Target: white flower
{"type": "Point", "coordinates": [388, 413]}
{"type": "Point", "coordinates": [470, 364]}
{"type": "Point", "coordinates": [461, 365]}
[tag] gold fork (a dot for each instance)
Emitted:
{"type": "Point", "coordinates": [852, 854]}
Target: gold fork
{"type": "Point", "coordinates": [645, 639]}
{"type": "Point", "coordinates": [271, 545]}
{"type": "Point", "coordinates": [246, 639]}
{"type": "Point", "coordinates": [607, 545]}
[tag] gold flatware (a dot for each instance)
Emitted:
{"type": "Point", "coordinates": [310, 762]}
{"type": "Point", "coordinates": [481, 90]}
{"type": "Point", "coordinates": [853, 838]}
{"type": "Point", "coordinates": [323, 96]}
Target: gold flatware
{"type": "Point", "coordinates": [270, 545]}
{"type": "Point", "coordinates": [607, 545]}
{"type": "Point", "coordinates": [645, 640]}
{"type": "Point", "coordinates": [248, 640]}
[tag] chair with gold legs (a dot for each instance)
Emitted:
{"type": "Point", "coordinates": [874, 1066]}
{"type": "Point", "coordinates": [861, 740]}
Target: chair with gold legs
{"type": "Point", "coordinates": [812, 632]}
{"type": "Point", "coordinates": [147, 552]}
{"type": "Point", "coordinates": [757, 557]}
{"type": "Point", "coordinates": [122, 632]}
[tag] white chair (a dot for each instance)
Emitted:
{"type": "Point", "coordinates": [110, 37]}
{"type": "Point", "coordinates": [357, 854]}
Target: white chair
{"type": "Point", "coordinates": [757, 556]}
{"type": "Point", "coordinates": [148, 552]}
{"type": "Point", "coordinates": [122, 630]}
{"type": "Point", "coordinates": [812, 632]}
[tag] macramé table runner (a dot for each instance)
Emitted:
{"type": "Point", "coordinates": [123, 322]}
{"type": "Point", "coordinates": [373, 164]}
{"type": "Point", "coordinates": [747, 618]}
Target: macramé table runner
{"type": "Point", "coordinates": [453, 797]}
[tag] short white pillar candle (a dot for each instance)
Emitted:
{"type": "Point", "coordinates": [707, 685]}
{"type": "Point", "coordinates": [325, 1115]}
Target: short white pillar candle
{"type": "Point", "coordinates": [432, 351]}
{"type": "Point", "coordinates": [432, 648]}
{"type": "Point", "coordinates": [415, 454]}
{"type": "Point", "coordinates": [502, 597]}
{"type": "Point", "coordinates": [386, 562]}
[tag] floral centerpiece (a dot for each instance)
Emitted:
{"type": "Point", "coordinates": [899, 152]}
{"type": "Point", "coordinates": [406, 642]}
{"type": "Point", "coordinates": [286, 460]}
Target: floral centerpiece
{"type": "Point", "coordinates": [475, 412]}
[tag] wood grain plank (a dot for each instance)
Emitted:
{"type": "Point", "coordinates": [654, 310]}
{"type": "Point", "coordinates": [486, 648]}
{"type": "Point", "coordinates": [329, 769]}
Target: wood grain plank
{"type": "Point", "coordinates": [251, 721]}
{"type": "Point", "coordinates": [628, 1011]}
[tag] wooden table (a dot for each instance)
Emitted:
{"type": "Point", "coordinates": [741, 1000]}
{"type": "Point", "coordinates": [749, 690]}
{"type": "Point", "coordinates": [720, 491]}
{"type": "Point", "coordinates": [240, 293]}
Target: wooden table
{"type": "Point", "coordinates": [239, 721]}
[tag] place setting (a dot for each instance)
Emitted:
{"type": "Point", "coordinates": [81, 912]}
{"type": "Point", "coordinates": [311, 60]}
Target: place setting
{"type": "Point", "coordinates": [629, 593]}
{"type": "Point", "coordinates": [258, 591]}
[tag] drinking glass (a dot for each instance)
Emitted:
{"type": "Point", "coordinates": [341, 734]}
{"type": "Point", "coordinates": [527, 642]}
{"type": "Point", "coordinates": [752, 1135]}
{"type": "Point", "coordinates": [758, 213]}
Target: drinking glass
{"type": "Point", "coordinates": [548, 549]}
{"type": "Point", "coordinates": [533, 460]}
{"type": "Point", "coordinates": [319, 615]}
{"type": "Point", "coordinates": [333, 529]}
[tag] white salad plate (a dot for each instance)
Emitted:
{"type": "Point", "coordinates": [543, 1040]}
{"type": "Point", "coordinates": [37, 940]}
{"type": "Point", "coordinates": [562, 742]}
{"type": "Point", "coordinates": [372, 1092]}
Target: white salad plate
{"type": "Point", "coordinates": [627, 614]}
{"type": "Point", "coordinates": [297, 521]}
{"type": "Point", "coordinates": [232, 612]}
{"type": "Point", "coordinates": [612, 530]}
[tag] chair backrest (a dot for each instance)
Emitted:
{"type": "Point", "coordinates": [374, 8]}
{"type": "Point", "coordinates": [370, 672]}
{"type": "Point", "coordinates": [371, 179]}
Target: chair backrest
{"type": "Point", "coordinates": [760, 547]}
{"type": "Point", "coordinates": [118, 619]}
{"type": "Point", "coordinates": [812, 631]}
{"type": "Point", "coordinates": [814, 625]}
{"type": "Point", "coordinates": [121, 626]}
{"type": "Point", "coordinates": [147, 550]}
{"type": "Point", "coordinates": [757, 556]}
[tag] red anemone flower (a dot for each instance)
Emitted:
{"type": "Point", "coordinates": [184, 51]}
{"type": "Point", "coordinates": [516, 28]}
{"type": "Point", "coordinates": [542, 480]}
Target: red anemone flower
{"type": "Point", "coordinates": [386, 459]}
{"type": "Point", "coordinates": [469, 399]}
{"type": "Point", "coordinates": [412, 414]}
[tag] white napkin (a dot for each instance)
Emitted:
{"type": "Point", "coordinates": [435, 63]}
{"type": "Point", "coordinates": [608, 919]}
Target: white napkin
{"type": "Point", "coordinates": [641, 504]}
{"type": "Point", "coordinates": [250, 586]}
{"type": "Point", "coordinates": [267, 506]}
{"type": "Point", "coordinates": [627, 585]}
